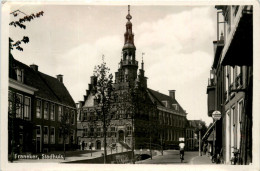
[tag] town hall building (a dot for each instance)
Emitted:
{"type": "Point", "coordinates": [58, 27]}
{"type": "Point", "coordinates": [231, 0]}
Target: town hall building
{"type": "Point", "coordinates": [145, 119]}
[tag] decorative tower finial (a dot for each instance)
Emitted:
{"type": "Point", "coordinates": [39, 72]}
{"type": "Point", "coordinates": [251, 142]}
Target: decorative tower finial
{"type": "Point", "coordinates": [128, 17]}
{"type": "Point", "coordinates": [143, 60]}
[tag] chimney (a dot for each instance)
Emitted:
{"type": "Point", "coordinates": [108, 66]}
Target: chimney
{"type": "Point", "coordinates": [172, 93]}
{"type": "Point", "coordinates": [93, 80]}
{"type": "Point", "coordinates": [60, 78]}
{"type": "Point", "coordinates": [34, 67]}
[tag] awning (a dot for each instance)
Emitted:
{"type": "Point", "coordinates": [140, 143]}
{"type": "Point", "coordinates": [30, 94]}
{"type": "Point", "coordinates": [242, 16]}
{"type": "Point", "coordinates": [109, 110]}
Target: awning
{"type": "Point", "coordinates": [209, 133]}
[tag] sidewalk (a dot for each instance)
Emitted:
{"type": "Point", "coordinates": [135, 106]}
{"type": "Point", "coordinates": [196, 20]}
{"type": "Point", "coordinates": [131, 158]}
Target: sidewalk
{"type": "Point", "coordinates": [204, 159]}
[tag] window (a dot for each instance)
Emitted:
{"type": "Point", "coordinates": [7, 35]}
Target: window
{"type": "Point", "coordinates": [99, 132]}
{"type": "Point", "coordinates": [113, 131]}
{"type": "Point", "coordinates": [165, 103]}
{"type": "Point", "coordinates": [21, 139]}
{"type": "Point", "coordinates": [46, 135]}
{"type": "Point", "coordinates": [231, 75]}
{"type": "Point", "coordinates": [38, 109]}
{"type": "Point", "coordinates": [52, 110]}
{"type": "Point", "coordinates": [60, 135]}
{"type": "Point", "coordinates": [19, 109]}
{"type": "Point", "coordinates": [84, 116]}
{"type": "Point", "coordinates": [10, 101]}
{"type": "Point", "coordinates": [238, 70]}
{"type": "Point", "coordinates": [19, 74]}
{"type": "Point", "coordinates": [175, 106]}
{"type": "Point", "coordinates": [91, 132]}
{"type": "Point", "coordinates": [226, 77]}
{"type": "Point", "coordinates": [72, 137]}
{"type": "Point", "coordinates": [66, 115]}
{"type": "Point", "coordinates": [129, 131]}
{"type": "Point", "coordinates": [59, 113]}
{"type": "Point", "coordinates": [27, 108]}
{"type": "Point", "coordinates": [85, 131]}
{"type": "Point", "coordinates": [38, 130]}
{"type": "Point", "coordinates": [72, 117]}
{"type": "Point", "coordinates": [46, 110]}
{"type": "Point", "coordinates": [52, 136]}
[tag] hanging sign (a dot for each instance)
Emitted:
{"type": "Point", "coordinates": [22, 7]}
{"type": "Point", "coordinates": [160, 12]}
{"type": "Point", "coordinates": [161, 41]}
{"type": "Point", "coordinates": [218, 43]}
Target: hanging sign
{"type": "Point", "coordinates": [216, 115]}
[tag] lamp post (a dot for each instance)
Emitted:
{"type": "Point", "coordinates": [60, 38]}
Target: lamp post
{"type": "Point", "coordinates": [199, 139]}
{"type": "Point", "coordinates": [216, 115]}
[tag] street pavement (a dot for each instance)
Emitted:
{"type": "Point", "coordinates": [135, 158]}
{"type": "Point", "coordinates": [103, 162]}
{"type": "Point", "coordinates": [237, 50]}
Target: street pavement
{"type": "Point", "coordinates": [173, 157]}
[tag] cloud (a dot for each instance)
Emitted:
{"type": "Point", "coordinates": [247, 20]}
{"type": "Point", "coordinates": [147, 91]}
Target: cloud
{"type": "Point", "coordinates": [176, 57]}
{"type": "Point", "coordinates": [178, 48]}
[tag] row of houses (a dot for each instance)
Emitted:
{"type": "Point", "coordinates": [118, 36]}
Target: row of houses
{"type": "Point", "coordinates": [230, 86]}
{"type": "Point", "coordinates": [36, 105]}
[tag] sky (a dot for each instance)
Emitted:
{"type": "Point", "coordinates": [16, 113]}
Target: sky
{"type": "Point", "coordinates": [177, 42]}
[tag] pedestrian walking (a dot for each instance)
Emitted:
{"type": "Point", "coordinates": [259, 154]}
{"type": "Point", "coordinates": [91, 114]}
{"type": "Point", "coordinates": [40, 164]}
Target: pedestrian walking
{"type": "Point", "coordinates": [83, 145]}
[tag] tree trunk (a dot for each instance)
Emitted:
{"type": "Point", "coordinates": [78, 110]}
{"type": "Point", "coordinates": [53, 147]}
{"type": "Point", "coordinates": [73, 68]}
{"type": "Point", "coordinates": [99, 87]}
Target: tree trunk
{"type": "Point", "coordinates": [105, 135]}
{"type": "Point", "coordinates": [133, 141]}
{"type": "Point", "coordinates": [64, 149]}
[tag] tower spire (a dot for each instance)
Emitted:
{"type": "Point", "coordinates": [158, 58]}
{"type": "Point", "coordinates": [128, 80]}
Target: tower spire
{"type": "Point", "coordinates": [129, 35]}
{"type": "Point", "coordinates": [142, 67]}
{"type": "Point", "coordinates": [128, 17]}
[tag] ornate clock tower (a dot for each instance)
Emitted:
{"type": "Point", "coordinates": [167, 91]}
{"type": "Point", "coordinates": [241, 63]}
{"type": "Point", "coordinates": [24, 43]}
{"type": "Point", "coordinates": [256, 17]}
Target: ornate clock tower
{"type": "Point", "coordinates": [128, 65]}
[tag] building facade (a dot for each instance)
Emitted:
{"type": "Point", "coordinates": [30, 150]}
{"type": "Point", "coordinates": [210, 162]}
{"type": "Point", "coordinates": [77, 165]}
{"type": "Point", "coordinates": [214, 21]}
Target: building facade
{"type": "Point", "coordinates": [36, 103]}
{"type": "Point", "coordinates": [231, 84]}
{"type": "Point", "coordinates": [172, 118]}
{"type": "Point", "coordinates": [157, 120]}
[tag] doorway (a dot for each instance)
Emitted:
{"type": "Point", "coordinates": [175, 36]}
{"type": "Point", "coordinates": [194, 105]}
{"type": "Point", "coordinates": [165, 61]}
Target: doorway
{"type": "Point", "coordinates": [121, 136]}
{"type": "Point", "coordinates": [98, 144]}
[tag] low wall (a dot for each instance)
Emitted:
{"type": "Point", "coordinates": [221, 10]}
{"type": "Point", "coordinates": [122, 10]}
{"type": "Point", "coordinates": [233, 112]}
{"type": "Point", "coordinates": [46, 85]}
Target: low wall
{"type": "Point", "coordinates": [118, 158]}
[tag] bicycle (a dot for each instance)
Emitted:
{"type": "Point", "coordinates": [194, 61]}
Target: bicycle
{"type": "Point", "coordinates": [182, 156]}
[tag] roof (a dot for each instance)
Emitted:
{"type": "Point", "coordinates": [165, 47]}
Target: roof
{"type": "Point", "coordinates": [159, 97]}
{"type": "Point", "coordinates": [48, 87]}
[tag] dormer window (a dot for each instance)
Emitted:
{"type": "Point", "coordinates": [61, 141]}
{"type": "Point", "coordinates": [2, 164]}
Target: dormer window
{"type": "Point", "coordinates": [175, 106]}
{"type": "Point", "coordinates": [165, 103]}
{"type": "Point", "coordinates": [19, 74]}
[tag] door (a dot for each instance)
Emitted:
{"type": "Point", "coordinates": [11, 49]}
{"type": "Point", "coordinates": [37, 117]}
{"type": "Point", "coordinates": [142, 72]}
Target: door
{"type": "Point", "coordinates": [98, 143]}
{"type": "Point", "coordinates": [38, 139]}
{"type": "Point", "coordinates": [121, 136]}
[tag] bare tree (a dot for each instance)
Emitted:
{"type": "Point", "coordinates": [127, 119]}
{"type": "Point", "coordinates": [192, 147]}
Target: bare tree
{"type": "Point", "coordinates": [66, 129]}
